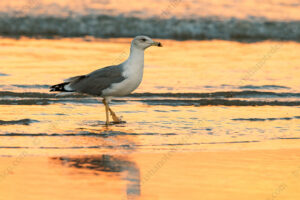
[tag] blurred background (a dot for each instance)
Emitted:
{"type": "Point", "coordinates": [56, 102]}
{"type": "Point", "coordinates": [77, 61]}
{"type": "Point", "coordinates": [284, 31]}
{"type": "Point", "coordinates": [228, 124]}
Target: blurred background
{"type": "Point", "coordinates": [172, 19]}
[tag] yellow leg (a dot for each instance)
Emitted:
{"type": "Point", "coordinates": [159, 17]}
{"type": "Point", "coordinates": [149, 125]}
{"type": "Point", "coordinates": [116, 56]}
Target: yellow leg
{"type": "Point", "coordinates": [106, 111]}
{"type": "Point", "coordinates": [114, 116]}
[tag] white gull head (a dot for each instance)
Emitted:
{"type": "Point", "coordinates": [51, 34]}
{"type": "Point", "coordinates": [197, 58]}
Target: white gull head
{"type": "Point", "coordinates": [132, 68]}
{"type": "Point", "coordinates": [143, 42]}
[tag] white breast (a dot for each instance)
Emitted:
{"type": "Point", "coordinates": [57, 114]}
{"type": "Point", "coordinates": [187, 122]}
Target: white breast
{"type": "Point", "coordinates": [133, 72]}
{"type": "Point", "coordinates": [126, 86]}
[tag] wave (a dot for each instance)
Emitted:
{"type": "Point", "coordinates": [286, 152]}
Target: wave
{"type": "Point", "coordinates": [230, 98]}
{"type": "Point", "coordinates": [72, 147]}
{"type": "Point", "coordinates": [219, 102]}
{"type": "Point", "coordinates": [77, 134]}
{"type": "Point", "coordinates": [106, 26]}
{"type": "Point", "coordinates": [135, 146]}
{"type": "Point", "coordinates": [163, 102]}
{"type": "Point", "coordinates": [226, 94]}
{"type": "Point", "coordinates": [2, 74]}
{"type": "Point", "coordinates": [266, 119]}
{"type": "Point", "coordinates": [32, 86]}
{"type": "Point", "coordinates": [35, 95]}
{"type": "Point", "coordinates": [248, 87]}
{"type": "Point", "coordinates": [18, 122]}
{"type": "Point", "coordinates": [264, 87]}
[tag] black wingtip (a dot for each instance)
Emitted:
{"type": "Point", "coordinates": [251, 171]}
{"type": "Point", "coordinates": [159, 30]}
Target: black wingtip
{"type": "Point", "coordinates": [59, 88]}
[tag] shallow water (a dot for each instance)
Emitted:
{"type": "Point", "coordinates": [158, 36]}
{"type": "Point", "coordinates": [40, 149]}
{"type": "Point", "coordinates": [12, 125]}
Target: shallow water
{"type": "Point", "coordinates": [199, 90]}
{"type": "Point", "coordinates": [198, 100]}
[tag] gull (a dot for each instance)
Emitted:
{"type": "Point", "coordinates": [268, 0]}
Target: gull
{"type": "Point", "coordinates": [112, 81]}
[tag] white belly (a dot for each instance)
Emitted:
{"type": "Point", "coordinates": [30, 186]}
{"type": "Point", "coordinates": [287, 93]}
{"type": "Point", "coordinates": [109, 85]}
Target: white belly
{"type": "Point", "coordinates": [125, 87]}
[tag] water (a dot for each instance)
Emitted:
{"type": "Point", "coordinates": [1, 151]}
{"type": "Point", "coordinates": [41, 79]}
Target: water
{"type": "Point", "coordinates": [211, 97]}
{"type": "Point", "coordinates": [174, 19]}
{"type": "Point", "coordinates": [149, 8]}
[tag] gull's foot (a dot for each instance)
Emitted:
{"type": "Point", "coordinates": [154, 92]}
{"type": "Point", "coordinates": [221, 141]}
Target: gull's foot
{"type": "Point", "coordinates": [117, 120]}
{"type": "Point", "coordinates": [114, 122]}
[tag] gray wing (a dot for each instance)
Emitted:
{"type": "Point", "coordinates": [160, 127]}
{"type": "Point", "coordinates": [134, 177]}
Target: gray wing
{"type": "Point", "coordinates": [95, 82]}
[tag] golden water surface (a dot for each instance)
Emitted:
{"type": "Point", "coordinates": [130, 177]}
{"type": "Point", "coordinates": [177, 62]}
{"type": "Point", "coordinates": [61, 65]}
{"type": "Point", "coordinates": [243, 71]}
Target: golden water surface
{"type": "Point", "coordinates": [163, 151]}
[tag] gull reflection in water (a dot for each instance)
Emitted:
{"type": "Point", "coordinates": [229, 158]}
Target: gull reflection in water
{"type": "Point", "coordinates": [109, 164]}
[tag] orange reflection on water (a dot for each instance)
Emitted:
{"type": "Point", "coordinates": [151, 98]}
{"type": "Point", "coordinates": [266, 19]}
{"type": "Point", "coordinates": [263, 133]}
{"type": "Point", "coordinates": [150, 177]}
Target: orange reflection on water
{"type": "Point", "coordinates": [209, 175]}
{"type": "Point", "coordinates": [163, 151]}
{"type": "Point", "coordinates": [178, 67]}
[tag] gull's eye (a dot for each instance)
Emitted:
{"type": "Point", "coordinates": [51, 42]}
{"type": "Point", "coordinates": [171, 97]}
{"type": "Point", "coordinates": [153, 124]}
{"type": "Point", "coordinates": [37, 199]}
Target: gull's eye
{"type": "Point", "coordinates": [144, 40]}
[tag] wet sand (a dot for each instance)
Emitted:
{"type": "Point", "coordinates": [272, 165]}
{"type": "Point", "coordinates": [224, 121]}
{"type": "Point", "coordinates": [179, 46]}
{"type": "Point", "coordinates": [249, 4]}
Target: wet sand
{"type": "Point", "coordinates": [247, 174]}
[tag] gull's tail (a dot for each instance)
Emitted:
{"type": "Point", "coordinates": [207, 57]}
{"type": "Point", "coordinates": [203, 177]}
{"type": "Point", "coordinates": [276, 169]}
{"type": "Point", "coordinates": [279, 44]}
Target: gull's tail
{"type": "Point", "coordinates": [62, 87]}
{"type": "Point", "coordinates": [66, 86]}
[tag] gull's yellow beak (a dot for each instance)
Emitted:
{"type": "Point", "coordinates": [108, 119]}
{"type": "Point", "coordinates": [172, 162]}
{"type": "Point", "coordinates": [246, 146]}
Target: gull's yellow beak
{"type": "Point", "coordinates": [157, 44]}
